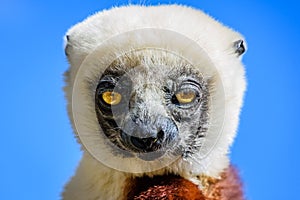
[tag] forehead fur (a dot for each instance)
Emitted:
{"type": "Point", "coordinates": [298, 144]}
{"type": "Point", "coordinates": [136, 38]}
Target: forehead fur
{"type": "Point", "coordinates": [208, 33]}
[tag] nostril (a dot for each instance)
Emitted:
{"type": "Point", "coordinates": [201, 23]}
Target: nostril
{"type": "Point", "coordinates": [160, 134]}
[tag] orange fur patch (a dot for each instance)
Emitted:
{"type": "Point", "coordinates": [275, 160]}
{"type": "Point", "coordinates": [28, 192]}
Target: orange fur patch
{"type": "Point", "coordinates": [172, 187]}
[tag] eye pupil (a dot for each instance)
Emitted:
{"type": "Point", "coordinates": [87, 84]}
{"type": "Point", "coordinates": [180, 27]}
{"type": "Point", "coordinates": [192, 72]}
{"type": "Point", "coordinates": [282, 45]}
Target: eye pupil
{"type": "Point", "coordinates": [111, 98]}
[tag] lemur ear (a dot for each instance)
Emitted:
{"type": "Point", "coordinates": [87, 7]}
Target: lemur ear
{"type": "Point", "coordinates": [239, 47]}
{"type": "Point", "coordinates": [67, 45]}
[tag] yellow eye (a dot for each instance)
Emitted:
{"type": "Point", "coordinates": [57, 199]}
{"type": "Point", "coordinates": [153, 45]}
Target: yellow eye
{"type": "Point", "coordinates": [111, 98]}
{"type": "Point", "coordinates": [185, 97]}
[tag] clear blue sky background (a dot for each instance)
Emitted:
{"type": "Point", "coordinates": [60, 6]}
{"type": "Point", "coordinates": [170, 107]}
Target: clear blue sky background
{"type": "Point", "coordinates": [38, 153]}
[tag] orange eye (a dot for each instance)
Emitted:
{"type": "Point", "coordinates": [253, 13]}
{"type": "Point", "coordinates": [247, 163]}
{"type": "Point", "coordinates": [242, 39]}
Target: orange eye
{"type": "Point", "coordinates": [185, 97]}
{"type": "Point", "coordinates": [111, 98]}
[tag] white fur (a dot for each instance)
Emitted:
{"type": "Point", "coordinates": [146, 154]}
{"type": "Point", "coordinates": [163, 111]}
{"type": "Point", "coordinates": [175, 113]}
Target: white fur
{"type": "Point", "coordinates": [94, 180]}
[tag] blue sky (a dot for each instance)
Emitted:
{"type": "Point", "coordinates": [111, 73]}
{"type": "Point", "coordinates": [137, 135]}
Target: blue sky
{"type": "Point", "coordinates": [38, 151]}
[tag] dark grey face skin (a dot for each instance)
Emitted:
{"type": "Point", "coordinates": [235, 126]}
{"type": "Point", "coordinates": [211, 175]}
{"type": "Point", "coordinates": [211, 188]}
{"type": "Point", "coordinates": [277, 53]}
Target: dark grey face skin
{"type": "Point", "coordinates": [149, 117]}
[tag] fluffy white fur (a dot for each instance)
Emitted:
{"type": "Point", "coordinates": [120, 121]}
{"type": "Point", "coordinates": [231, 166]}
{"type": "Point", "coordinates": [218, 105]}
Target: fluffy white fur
{"type": "Point", "coordinates": [94, 180]}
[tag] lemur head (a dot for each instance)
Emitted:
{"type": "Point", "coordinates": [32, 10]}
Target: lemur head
{"type": "Point", "coordinates": [155, 89]}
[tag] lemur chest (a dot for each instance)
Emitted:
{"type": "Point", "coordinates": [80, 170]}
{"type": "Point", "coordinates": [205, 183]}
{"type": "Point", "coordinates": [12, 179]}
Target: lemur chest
{"type": "Point", "coordinates": [172, 187]}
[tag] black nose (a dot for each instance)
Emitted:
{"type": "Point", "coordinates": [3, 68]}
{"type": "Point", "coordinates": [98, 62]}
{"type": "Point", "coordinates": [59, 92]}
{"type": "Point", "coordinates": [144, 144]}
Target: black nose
{"type": "Point", "coordinates": [148, 144]}
{"type": "Point", "coordinates": [149, 137]}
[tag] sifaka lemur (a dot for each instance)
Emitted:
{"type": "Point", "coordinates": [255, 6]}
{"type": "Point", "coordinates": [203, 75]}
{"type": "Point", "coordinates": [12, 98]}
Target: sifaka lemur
{"type": "Point", "coordinates": [154, 95]}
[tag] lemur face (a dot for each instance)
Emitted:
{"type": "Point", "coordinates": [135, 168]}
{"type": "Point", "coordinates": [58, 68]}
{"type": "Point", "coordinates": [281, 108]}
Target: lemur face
{"type": "Point", "coordinates": [149, 108]}
{"type": "Point", "coordinates": [148, 98]}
